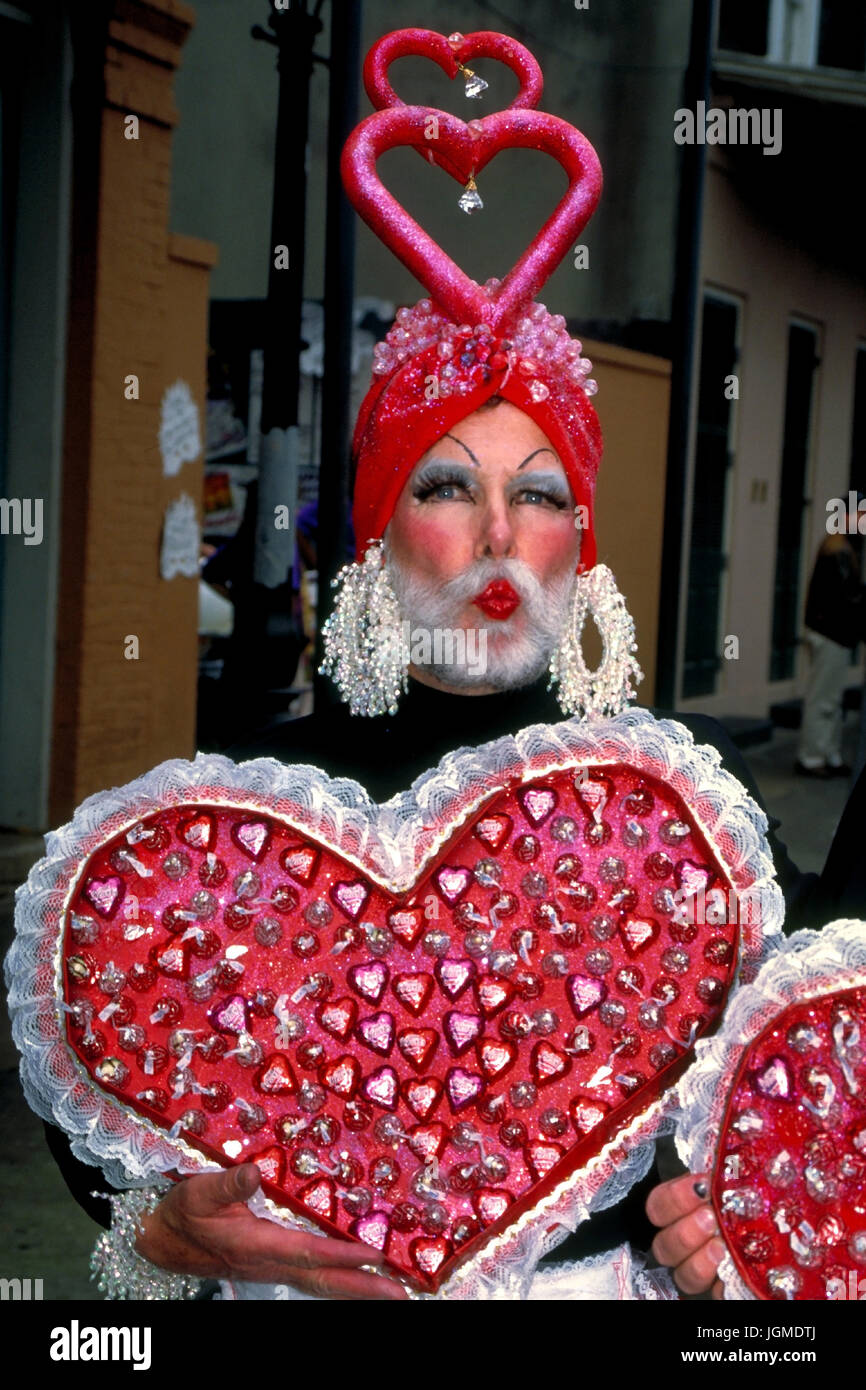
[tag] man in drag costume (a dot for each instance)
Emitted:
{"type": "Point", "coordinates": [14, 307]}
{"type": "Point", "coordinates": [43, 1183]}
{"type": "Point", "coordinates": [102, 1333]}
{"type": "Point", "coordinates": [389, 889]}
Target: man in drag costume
{"type": "Point", "coordinates": [549, 984]}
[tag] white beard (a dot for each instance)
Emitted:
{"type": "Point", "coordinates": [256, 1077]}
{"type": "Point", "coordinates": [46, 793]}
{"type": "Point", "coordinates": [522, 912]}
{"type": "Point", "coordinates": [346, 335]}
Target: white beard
{"type": "Point", "coordinates": [518, 648]}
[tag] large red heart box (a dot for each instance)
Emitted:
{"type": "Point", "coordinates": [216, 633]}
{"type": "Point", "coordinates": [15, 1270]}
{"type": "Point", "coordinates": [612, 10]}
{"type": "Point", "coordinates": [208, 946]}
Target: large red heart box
{"type": "Point", "coordinates": [438, 1026]}
{"type": "Point", "coordinates": [775, 1108]}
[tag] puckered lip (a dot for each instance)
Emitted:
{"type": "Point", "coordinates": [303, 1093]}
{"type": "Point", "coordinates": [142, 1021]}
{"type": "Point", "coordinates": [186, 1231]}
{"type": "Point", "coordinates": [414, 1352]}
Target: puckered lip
{"type": "Point", "coordinates": [498, 600]}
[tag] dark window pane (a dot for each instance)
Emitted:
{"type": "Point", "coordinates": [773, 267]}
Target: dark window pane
{"type": "Point", "coordinates": [743, 26]}
{"type": "Point", "coordinates": [842, 35]}
{"type": "Point", "coordinates": [707, 559]}
{"type": "Point", "coordinates": [802, 361]}
{"type": "Point", "coordinates": [858, 432]}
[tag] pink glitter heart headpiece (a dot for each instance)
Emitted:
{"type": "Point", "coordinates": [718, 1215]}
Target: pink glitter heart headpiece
{"type": "Point", "coordinates": [450, 353]}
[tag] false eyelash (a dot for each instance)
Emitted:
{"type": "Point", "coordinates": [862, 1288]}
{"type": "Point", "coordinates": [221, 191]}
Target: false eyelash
{"type": "Point", "coordinates": [434, 481]}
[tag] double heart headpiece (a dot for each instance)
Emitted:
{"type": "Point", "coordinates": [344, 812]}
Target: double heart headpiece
{"type": "Point", "coordinates": [446, 356]}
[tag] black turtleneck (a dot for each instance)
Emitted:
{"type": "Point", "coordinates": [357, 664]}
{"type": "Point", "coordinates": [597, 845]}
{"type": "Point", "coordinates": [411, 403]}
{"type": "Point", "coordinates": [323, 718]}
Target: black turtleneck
{"type": "Point", "coordinates": [386, 755]}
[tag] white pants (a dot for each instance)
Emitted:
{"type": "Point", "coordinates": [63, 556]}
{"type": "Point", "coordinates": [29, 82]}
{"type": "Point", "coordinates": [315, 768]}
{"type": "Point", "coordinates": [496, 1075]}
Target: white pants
{"type": "Point", "coordinates": [821, 733]}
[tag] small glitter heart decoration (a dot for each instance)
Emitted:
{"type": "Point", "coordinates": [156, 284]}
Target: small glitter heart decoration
{"type": "Point", "coordinates": [774, 1106]}
{"type": "Point", "coordinates": [440, 1026]}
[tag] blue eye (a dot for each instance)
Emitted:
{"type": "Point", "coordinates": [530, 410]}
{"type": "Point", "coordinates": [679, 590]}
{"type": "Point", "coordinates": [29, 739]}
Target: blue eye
{"type": "Point", "coordinates": [537, 496]}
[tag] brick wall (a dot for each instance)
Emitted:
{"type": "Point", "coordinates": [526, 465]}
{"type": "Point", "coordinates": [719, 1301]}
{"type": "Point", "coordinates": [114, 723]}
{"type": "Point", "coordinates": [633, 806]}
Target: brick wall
{"type": "Point", "coordinates": [139, 306]}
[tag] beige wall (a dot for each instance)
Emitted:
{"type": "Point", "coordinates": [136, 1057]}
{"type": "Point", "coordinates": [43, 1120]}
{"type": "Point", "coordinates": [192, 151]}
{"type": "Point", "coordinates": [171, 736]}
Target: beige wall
{"type": "Point", "coordinates": [775, 282]}
{"type": "Point", "coordinates": [633, 403]}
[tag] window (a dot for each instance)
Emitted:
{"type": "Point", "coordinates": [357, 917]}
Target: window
{"type": "Point", "coordinates": [858, 432]}
{"type": "Point", "coordinates": [842, 35]}
{"type": "Point", "coordinates": [743, 26]}
{"type": "Point", "coordinates": [799, 33]}
{"type": "Point", "coordinates": [802, 363]}
{"type": "Point", "coordinates": [707, 541]}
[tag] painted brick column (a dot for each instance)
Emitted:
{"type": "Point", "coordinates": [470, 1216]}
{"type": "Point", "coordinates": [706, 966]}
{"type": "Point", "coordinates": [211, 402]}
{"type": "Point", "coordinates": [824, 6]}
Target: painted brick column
{"type": "Point", "coordinates": [138, 308]}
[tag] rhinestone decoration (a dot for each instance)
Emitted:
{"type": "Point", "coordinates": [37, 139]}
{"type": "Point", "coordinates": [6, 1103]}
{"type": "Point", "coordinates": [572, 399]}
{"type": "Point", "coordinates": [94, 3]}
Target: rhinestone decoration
{"type": "Point", "coordinates": [538, 346]}
{"type": "Point", "coordinates": [790, 1181]}
{"type": "Point", "coordinates": [491, 1041]}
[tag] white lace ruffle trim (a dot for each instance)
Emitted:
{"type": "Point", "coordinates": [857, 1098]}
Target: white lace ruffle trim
{"type": "Point", "coordinates": [809, 963]}
{"type": "Point", "coordinates": [618, 1275]}
{"type": "Point", "coordinates": [392, 844]}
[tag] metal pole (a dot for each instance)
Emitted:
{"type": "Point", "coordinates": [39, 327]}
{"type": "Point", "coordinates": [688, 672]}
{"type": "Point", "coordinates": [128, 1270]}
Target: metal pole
{"type": "Point", "coordinates": [684, 311]}
{"type": "Point", "coordinates": [269, 534]}
{"type": "Point", "coordinates": [334, 467]}
{"type": "Point", "coordinates": [294, 34]}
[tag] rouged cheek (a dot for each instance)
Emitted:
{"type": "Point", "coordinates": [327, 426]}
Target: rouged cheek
{"type": "Point", "coordinates": [550, 545]}
{"type": "Point", "coordinates": [437, 540]}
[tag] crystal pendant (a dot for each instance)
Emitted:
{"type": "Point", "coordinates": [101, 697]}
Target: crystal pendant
{"type": "Point", "coordinates": [470, 198]}
{"type": "Point", "coordinates": [475, 85]}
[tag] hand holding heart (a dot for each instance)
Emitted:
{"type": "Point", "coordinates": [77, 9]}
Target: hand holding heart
{"type": "Point", "coordinates": [688, 1241]}
{"type": "Point", "coordinates": [203, 1227]}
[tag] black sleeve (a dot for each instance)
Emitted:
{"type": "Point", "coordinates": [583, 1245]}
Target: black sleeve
{"type": "Point", "coordinates": [607, 1229]}
{"type": "Point", "coordinates": [82, 1179]}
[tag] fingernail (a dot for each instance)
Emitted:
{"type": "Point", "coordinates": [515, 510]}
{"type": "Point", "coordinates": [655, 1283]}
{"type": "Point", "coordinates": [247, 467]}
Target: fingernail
{"type": "Point", "coordinates": [716, 1252]}
{"type": "Point", "coordinates": [248, 1176]}
{"type": "Point", "coordinates": [705, 1219]}
{"type": "Point", "coordinates": [702, 1189]}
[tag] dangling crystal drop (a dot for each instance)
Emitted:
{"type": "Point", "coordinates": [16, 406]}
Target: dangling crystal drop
{"type": "Point", "coordinates": [470, 198]}
{"type": "Point", "coordinates": [475, 85]}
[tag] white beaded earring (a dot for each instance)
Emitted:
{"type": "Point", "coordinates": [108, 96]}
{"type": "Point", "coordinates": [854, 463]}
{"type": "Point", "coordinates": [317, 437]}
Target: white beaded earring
{"type": "Point", "coordinates": [364, 652]}
{"type": "Point", "coordinates": [608, 689]}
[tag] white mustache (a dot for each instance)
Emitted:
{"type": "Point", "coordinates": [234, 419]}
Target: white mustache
{"type": "Point", "coordinates": [472, 581]}
{"type": "Point", "coordinates": [518, 648]}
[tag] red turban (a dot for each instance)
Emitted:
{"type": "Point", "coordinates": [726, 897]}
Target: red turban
{"type": "Point", "coordinates": [430, 374]}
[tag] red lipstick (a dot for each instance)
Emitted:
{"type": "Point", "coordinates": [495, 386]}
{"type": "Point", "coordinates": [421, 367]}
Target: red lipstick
{"type": "Point", "coordinates": [498, 600]}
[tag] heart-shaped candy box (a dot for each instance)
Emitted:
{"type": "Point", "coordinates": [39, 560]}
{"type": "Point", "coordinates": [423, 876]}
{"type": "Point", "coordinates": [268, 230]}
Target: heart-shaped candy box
{"type": "Point", "coordinates": [775, 1107]}
{"type": "Point", "coordinates": [432, 1023]}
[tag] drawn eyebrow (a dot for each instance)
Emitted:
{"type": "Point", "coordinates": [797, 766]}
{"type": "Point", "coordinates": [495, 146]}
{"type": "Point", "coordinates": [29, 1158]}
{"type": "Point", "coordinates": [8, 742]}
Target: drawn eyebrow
{"type": "Point", "coordinates": [465, 447]}
{"type": "Point", "coordinates": [543, 450]}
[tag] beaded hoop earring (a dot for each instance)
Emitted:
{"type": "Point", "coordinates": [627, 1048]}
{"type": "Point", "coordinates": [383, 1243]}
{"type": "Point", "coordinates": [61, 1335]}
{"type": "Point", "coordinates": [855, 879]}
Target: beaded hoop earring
{"type": "Point", "coordinates": [608, 689]}
{"type": "Point", "coordinates": [364, 655]}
